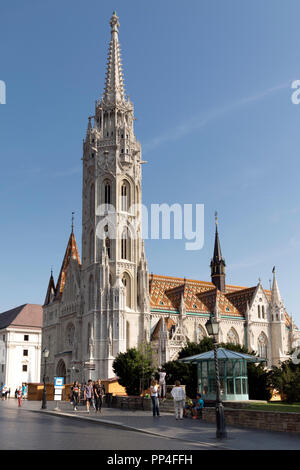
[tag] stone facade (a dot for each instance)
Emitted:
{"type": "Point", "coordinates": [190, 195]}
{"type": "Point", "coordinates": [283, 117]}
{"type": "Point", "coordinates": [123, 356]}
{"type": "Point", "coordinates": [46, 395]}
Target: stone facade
{"type": "Point", "coordinates": [107, 302]}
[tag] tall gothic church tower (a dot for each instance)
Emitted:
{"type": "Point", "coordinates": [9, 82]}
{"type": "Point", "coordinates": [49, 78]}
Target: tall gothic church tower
{"type": "Point", "coordinates": [100, 305]}
{"type": "Point", "coordinates": [114, 267]}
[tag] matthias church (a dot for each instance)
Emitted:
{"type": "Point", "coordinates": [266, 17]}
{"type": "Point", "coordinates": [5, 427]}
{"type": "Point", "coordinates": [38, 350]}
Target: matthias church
{"type": "Point", "coordinates": [104, 301]}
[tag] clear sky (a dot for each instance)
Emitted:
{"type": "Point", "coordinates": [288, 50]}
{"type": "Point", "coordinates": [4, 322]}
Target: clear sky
{"type": "Point", "coordinates": [211, 84]}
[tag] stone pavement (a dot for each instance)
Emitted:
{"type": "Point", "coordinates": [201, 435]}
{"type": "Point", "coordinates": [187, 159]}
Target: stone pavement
{"type": "Point", "coordinates": [188, 430]}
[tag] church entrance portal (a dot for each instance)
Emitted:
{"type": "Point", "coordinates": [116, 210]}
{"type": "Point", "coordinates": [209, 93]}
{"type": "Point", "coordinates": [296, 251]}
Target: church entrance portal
{"type": "Point", "coordinates": [61, 369]}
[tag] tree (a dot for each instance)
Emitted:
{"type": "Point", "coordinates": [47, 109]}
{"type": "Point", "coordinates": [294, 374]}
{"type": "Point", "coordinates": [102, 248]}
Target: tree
{"type": "Point", "coordinates": [185, 373]}
{"type": "Point", "coordinates": [286, 379]}
{"type": "Point", "coordinates": [191, 349]}
{"type": "Point", "coordinates": [133, 368]}
{"type": "Point", "coordinates": [258, 382]}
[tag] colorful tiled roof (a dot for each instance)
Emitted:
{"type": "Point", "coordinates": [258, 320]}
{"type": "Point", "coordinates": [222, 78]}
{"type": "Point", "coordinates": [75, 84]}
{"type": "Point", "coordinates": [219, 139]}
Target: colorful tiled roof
{"type": "Point", "coordinates": [71, 253]}
{"type": "Point", "coordinates": [199, 296]}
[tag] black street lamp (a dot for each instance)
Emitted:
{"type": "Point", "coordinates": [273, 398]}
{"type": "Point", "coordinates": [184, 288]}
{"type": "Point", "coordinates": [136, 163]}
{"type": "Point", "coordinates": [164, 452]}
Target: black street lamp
{"type": "Point", "coordinates": [212, 326]}
{"type": "Point", "coordinates": [44, 402]}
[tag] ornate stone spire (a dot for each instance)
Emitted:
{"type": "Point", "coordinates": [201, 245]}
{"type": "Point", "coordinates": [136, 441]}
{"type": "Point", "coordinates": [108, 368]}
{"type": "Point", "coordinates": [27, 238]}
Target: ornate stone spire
{"type": "Point", "coordinates": [217, 249]}
{"type": "Point", "coordinates": [51, 290]}
{"type": "Point", "coordinates": [276, 297]}
{"type": "Point", "coordinates": [114, 86]}
{"type": "Point", "coordinates": [217, 264]}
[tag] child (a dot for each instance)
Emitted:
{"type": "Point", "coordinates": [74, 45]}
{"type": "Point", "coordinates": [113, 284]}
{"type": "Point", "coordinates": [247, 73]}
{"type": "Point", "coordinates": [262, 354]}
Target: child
{"type": "Point", "coordinates": [198, 407]}
{"type": "Point", "coordinates": [19, 396]}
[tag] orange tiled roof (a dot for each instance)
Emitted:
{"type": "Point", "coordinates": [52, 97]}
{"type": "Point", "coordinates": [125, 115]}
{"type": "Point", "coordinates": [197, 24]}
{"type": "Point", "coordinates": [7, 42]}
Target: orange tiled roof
{"type": "Point", "coordinates": [71, 253]}
{"type": "Point", "coordinates": [199, 296]}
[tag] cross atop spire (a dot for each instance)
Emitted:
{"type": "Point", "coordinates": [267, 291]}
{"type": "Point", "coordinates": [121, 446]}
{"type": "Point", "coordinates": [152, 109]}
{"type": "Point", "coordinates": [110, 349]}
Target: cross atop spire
{"type": "Point", "coordinates": [72, 224]}
{"type": "Point", "coordinates": [114, 85]}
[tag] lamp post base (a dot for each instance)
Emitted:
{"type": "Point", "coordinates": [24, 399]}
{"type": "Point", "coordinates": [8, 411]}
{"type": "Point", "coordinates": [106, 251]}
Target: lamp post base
{"type": "Point", "coordinates": [221, 432]}
{"type": "Point", "coordinates": [44, 401]}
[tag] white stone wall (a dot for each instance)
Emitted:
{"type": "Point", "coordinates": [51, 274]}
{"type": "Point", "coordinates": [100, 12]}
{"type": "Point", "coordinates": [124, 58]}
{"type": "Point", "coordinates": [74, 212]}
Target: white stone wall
{"type": "Point", "coordinates": [12, 350]}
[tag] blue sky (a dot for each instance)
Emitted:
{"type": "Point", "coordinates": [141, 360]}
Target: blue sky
{"type": "Point", "coordinates": [211, 84]}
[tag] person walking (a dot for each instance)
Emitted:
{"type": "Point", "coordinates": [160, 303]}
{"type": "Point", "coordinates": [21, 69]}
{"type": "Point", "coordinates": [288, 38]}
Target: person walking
{"type": "Point", "coordinates": [89, 395]}
{"type": "Point", "coordinates": [178, 395]}
{"type": "Point", "coordinates": [19, 396]}
{"type": "Point", "coordinates": [75, 394]}
{"type": "Point", "coordinates": [99, 392]}
{"type": "Point", "coordinates": [4, 392]}
{"type": "Point", "coordinates": [154, 397]}
{"type": "Point", "coordinates": [162, 383]}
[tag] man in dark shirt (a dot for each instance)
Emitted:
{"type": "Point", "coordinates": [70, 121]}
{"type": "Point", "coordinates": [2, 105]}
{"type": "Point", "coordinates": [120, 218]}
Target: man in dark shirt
{"type": "Point", "coordinates": [99, 392]}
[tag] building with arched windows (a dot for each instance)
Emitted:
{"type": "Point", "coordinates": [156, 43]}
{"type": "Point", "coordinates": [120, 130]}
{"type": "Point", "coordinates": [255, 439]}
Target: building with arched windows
{"type": "Point", "coordinates": [105, 302]}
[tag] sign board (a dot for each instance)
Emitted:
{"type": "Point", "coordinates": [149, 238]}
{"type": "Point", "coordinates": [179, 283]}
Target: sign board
{"type": "Point", "coordinates": [58, 382]}
{"type": "Point", "coordinates": [58, 387]}
{"type": "Point", "coordinates": [89, 366]}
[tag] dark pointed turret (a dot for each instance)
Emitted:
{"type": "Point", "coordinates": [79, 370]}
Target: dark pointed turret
{"type": "Point", "coordinates": [50, 291]}
{"type": "Point", "coordinates": [217, 264]}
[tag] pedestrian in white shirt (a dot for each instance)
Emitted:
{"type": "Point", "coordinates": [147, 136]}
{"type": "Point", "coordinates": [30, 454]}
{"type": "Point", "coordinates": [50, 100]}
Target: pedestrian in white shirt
{"type": "Point", "coordinates": [178, 395]}
{"type": "Point", "coordinates": [154, 397]}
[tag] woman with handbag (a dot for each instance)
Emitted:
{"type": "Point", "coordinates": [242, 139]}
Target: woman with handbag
{"type": "Point", "coordinates": [75, 393]}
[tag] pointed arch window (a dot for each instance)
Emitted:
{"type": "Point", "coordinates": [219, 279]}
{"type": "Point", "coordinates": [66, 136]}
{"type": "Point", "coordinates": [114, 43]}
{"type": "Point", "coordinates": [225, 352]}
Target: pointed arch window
{"type": "Point", "coordinates": [70, 333]}
{"type": "Point", "coordinates": [91, 292]}
{"type": "Point", "coordinates": [200, 333]}
{"type": "Point", "coordinates": [91, 247]}
{"type": "Point", "coordinates": [232, 336]}
{"type": "Point", "coordinates": [258, 311]}
{"type": "Point", "coordinates": [89, 331]}
{"type": "Point", "coordinates": [107, 244]}
{"type": "Point", "coordinates": [107, 193]}
{"type": "Point", "coordinates": [127, 283]}
{"type": "Point", "coordinates": [262, 346]}
{"type": "Point", "coordinates": [125, 244]}
{"type": "Point", "coordinates": [125, 196]}
{"type": "Point", "coordinates": [92, 201]}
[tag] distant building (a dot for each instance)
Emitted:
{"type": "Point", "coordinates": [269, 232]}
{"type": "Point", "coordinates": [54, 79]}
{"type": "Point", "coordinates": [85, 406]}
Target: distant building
{"type": "Point", "coordinates": [20, 345]}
